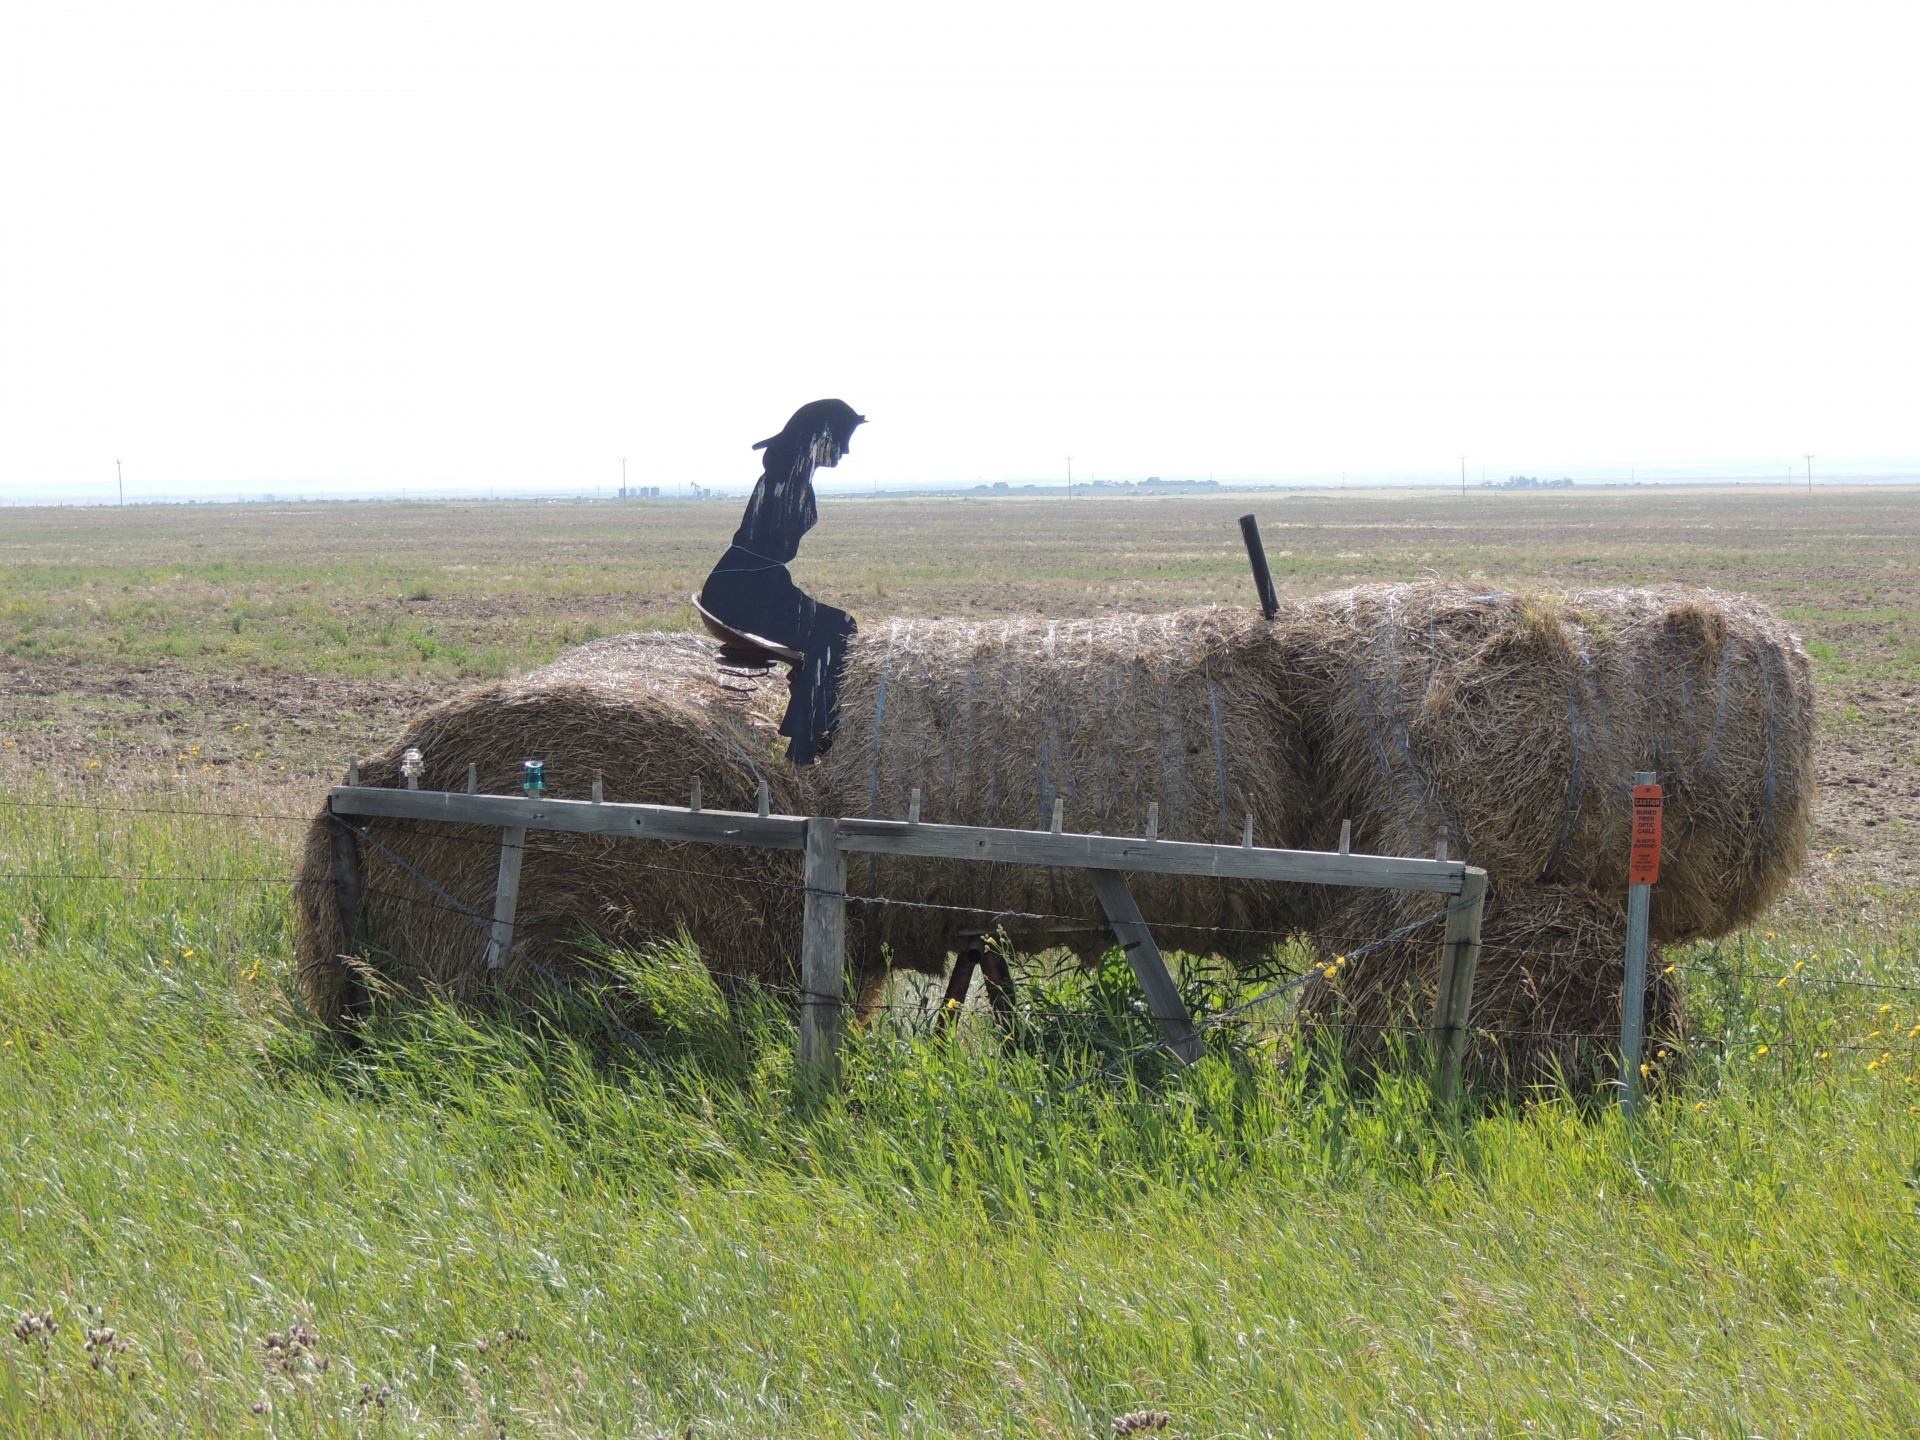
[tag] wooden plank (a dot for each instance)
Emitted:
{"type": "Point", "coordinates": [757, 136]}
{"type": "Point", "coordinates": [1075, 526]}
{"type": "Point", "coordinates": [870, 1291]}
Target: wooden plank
{"type": "Point", "coordinates": [1161, 857]}
{"type": "Point", "coordinates": [506, 895]}
{"type": "Point", "coordinates": [580, 817]}
{"type": "Point", "coordinates": [1149, 966]}
{"type": "Point", "coordinates": [895, 837]}
{"type": "Point", "coordinates": [1453, 1005]}
{"type": "Point", "coordinates": [823, 954]}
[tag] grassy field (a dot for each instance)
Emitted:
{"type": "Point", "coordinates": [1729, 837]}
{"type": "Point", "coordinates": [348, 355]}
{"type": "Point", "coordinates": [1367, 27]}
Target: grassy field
{"type": "Point", "coordinates": [487, 1224]}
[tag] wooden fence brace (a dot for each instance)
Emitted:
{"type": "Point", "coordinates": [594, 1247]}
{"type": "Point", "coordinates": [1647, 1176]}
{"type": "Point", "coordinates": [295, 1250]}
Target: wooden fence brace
{"type": "Point", "coordinates": [913, 807]}
{"type": "Point", "coordinates": [506, 895]}
{"type": "Point", "coordinates": [473, 778]}
{"type": "Point", "coordinates": [1346, 837]}
{"type": "Point", "coordinates": [1453, 1005]}
{"type": "Point", "coordinates": [1153, 820]}
{"type": "Point", "coordinates": [1059, 815]}
{"type": "Point", "coordinates": [823, 952]}
{"type": "Point", "coordinates": [353, 769]}
{"type": "Point", "coordinates": [766, 798]}
{"type": "Point", "coordinates": [1440, 844]}
{"type": "Point", "coordinates": [599, 795]}
{"type": "Point", "coordinates": [1163, 994]}
{"type": "Point", "coordinates": [693, 801]}
{"type": "Point", "coordinates": [1246, 835]}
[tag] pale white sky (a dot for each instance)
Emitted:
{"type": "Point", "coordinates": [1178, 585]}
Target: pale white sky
{"type": "Point", "coordinates": [269, 247]}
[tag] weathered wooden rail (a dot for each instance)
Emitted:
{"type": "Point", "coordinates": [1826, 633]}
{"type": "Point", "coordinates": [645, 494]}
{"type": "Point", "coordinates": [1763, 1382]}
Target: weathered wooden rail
{"type": "Point", "coordinates": [826, 842]}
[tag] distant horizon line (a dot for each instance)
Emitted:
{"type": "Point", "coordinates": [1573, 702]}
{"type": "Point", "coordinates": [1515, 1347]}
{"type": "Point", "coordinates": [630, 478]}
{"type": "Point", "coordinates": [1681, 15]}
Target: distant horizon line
{"type": "Point", "coordinates": [1885, 473]}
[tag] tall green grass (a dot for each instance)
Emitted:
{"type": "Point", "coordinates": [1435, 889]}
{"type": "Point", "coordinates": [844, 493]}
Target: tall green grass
{"type": "Point", "coordinates": [527, 1218]}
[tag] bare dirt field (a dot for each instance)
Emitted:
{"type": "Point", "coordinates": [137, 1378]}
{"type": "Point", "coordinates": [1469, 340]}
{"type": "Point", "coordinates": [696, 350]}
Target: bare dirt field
{"type": "Point", "coordinates": [206, 644]}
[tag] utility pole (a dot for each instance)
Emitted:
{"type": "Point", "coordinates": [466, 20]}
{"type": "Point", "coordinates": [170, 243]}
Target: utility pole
{"type": "Point", "coordinates": [1809, 474]}
{"type": "Point", "coordinates": [123, 483]}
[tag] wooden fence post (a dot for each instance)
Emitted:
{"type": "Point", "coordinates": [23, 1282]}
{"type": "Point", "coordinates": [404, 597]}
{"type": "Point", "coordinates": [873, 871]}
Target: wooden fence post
{"type": "Point", "coordinates": [1452, 1007]}
{"type": "Point", "coordinates": [823, 952]}
{"type": "Point", "coordinates": [348, 893]}
{"type": "Point", "coordinates": [506, 895]}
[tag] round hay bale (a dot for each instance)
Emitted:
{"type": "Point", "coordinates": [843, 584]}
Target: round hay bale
{"type": "Point", "coordinates": [1518, 721]}
{"type": "Point", "coordinates": [1546, 989]}
{"type": "Point", "coordinates": [993, 721]}
{"type": "Point", "coordinates": [651, 713]}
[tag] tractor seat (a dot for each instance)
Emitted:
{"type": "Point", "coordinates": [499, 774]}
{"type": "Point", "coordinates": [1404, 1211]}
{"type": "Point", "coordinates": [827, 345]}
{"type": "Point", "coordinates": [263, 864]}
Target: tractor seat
{"type": "Point", "coordinates": [738, 648]}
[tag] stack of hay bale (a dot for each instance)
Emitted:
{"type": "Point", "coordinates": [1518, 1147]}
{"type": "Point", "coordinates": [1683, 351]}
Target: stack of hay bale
{"type": "Point", "coordinates": [1514, 721]}
{"type": "Point", "coordinates": [1517, 722]}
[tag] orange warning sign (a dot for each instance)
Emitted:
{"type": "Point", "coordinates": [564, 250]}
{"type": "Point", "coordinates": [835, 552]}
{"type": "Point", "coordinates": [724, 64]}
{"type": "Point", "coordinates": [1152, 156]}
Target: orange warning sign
{"type": "Point", "coordinates": [1644, 867]}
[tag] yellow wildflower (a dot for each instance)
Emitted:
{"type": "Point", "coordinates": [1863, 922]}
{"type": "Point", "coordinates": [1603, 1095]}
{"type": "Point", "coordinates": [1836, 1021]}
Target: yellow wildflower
{"type": "Point", "coordinates": [1761, 1051]}
{"type": "Point", "coordinates": [1769, 934]}
{"type": "Point", "coordinates": [1699, 1105]}
{"type": "Point", "coordinates": [1798, 966]}
{"type": "Point", "coordinates": [1874, 1036]}
{"type": "Point", "coordinates": [1885, 1008]}
{"type": "Point", "coordinates": [1783, 982]}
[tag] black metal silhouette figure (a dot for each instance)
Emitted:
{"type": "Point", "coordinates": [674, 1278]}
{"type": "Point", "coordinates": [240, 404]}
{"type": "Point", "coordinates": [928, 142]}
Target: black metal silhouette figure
{"type": "Point", "coordinates": [751, 604]}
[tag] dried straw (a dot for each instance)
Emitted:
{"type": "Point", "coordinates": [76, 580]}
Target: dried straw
{"type": "Point", "coordinates": [1514, 720]}
{"type": "Point", "coordinates": [650, 712]}
{"type": "Point", "coordinates": [995, 721]}
{"type": "Point", "coordinates": [1518, 722]}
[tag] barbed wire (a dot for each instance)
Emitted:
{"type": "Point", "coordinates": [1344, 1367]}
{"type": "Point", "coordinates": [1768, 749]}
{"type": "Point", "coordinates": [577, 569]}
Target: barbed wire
{"type": "Point", "coordinates": [1777, 1048]}
{"type": "Point", "coordinates": [1084, 923]}
{"type": "Point", "coordinates": [1087, 924]}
